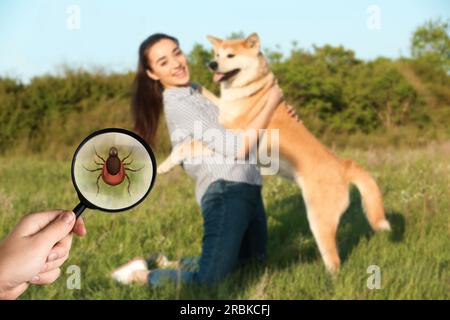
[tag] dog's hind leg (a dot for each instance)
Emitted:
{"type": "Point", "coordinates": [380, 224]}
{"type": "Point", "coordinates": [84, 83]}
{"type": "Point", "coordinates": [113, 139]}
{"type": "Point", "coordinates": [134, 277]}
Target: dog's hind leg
{"type": "Point", "coordinates": [324, 209]}
{"type": "Point", "coordinates": [324, 231]}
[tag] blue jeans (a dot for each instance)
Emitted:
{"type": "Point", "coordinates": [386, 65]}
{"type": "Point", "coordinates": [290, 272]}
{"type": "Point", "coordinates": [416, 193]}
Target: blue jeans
{"type": "Point", "coordinates": [234, 232]}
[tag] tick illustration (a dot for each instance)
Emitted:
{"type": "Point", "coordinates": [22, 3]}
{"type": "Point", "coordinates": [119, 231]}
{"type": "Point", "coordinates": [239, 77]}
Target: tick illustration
{"type": "Point", "coordinates": [114, 170]}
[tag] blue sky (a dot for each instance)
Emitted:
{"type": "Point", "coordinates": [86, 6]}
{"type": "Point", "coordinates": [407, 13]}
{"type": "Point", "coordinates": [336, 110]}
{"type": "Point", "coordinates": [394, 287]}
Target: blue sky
{"type": "Point", "coordinates": [36, 36]}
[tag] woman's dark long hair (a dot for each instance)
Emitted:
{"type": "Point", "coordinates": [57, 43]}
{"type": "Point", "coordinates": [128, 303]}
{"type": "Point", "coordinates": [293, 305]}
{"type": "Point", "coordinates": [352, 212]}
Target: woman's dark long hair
{"type": "Point", "coordinates": [147, 100]}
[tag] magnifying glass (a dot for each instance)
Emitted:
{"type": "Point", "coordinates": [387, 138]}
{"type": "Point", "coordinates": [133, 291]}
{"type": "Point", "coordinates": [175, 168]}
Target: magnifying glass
{"type": "Point", "coordinates": [113, 170]}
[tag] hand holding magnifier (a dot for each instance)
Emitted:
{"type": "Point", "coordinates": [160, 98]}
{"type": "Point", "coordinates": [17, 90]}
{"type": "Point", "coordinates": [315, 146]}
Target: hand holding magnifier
{"type": "Point", "coordinates": [112, 170]}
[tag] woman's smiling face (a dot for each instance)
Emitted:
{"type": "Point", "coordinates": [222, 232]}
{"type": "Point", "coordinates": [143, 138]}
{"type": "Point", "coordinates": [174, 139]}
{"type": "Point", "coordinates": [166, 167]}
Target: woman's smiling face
{"type": "Point", "coordinates": [168, 64]}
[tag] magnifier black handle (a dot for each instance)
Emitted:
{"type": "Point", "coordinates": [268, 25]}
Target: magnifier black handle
{"type": "Point", "coordinates": [78, 210]}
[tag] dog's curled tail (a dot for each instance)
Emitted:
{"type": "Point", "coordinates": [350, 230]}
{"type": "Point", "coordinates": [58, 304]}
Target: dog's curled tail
{"type": "Point", "coordinates": [370, 193]}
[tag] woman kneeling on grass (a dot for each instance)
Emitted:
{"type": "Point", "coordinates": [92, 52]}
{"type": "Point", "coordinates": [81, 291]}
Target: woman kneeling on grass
{"type": "Point", "coordinates": [234, 221]}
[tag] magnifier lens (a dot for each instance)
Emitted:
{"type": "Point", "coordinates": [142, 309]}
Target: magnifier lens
{"type": "Point", "coordinates": [113, 170]}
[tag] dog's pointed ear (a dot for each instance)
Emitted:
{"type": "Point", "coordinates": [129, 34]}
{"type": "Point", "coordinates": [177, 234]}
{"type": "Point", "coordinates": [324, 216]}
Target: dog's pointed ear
{"type": "Point", "coordinates": [214, 41]}
{"type": "Point", "coordinates": [252, 41]}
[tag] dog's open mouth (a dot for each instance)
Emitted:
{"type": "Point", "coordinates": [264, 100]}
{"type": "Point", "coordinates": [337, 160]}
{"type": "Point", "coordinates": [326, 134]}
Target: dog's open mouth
{"type": "Point", "coordinates": [218, 77]}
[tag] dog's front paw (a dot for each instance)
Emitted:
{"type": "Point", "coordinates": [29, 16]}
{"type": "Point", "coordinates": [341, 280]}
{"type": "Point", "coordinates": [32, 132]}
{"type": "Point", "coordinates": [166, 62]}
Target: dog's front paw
{"type": "Point", "coordinates": [164, 168]}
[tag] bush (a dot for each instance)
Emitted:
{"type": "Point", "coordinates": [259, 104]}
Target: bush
{"type": "Point", "coordinates": [332, 90]}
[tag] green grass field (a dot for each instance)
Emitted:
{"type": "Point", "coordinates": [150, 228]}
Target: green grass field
{"type": "Point", "coordinates": [414, 258]}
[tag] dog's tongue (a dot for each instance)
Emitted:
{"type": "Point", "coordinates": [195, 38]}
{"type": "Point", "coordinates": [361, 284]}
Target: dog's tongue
{"type": "Point", "coordinates": [218, 76]}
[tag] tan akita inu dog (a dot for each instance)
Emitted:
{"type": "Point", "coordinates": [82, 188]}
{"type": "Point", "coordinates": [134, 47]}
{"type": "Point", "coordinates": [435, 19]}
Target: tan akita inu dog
{"type": "Point", "coordinates": [245, 80]}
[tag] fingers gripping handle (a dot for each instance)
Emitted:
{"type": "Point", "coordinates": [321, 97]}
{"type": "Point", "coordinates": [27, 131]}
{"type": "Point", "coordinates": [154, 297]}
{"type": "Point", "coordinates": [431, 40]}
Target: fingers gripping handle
{"type": "Point", "coordinates": [78, 210]}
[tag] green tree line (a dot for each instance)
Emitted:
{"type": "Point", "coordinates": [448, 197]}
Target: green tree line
{"type": "Point", "coordinates": [331, 89]}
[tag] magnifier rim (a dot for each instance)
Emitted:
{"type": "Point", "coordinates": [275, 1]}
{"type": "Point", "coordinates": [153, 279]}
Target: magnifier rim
{"type": "Point", "coordinates": [82, 198]}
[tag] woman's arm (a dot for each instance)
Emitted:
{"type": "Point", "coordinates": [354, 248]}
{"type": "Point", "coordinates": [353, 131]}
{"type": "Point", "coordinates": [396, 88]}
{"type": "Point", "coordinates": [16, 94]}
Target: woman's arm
{"type": "Point", "coordinates": [187, 112]}
{"type": "Point", "coordinates": [252, 132]}
{"type": "Point", "coordinates": [209, 95]}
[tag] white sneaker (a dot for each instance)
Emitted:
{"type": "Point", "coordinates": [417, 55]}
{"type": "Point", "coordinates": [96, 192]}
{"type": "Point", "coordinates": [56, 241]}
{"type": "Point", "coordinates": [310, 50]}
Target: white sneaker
{"type": "Point", "coordinates": [124, 273]}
